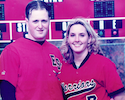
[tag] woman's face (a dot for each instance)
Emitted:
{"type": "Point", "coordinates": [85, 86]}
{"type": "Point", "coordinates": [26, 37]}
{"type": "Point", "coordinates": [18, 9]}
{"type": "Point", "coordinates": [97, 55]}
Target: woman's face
{"type": "Point", "coordinates": [78, 38]}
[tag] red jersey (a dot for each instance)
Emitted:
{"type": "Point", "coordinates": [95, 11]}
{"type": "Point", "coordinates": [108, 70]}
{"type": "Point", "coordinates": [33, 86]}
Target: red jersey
{"type": "Point", "coordinates": [32, 68]}
{"type": "Point", "coordinates": [96, 79]}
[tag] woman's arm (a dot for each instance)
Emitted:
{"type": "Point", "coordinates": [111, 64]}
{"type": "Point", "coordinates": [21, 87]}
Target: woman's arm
{"type": "Point", "coordinates": [120, 96]}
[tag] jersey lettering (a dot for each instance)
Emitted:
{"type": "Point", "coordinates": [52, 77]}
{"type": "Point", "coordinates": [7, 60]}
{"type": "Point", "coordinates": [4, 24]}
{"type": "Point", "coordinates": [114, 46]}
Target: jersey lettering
{"type": "Point", "coordinates": [59, 64]}
{"type": "Point", "coordinates": [56, 62]}
{"type": "Point", "coordinates": [91, 97]}
{"type": "Point", "coordinates": [78, 88]}
{"type": "Point", "coordinates": [53, 60]}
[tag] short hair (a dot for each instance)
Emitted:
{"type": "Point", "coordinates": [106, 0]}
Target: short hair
{"type": "Point", "coordinates": [37, 5]}
{"type": "Point", "coordinates": [93, 46]}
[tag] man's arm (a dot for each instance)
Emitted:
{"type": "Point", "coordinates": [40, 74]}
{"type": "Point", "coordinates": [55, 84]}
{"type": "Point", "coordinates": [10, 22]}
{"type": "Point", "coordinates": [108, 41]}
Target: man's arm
{"type": "Point", "coordinates": [7, 91]}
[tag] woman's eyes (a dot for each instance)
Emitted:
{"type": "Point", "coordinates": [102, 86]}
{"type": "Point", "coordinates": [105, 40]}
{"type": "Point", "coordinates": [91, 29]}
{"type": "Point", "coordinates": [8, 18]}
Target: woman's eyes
{"type": "Point", "coordinates": [81, 34]}
{"type": "Point", "coordinates": [72, 35]}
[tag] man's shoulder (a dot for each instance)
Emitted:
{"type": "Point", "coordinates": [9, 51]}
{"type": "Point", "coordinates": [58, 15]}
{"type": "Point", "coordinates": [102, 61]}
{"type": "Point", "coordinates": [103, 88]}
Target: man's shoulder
{"type": "Point", "coordinates": [15, 44]}
{"type": "Point", "coordinates": [19, 40]}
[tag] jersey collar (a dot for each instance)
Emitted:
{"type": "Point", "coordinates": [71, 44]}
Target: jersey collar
{"type": "Point", "coordinates": [83, 62]}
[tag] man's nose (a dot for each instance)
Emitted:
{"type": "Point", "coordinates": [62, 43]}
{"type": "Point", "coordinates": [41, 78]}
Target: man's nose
{"type": "Point", "coordinates": [40, 25]}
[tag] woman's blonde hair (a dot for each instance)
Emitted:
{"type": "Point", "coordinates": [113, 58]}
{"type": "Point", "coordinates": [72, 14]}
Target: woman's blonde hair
{"type": "Point", "coordinates": [93, 46]}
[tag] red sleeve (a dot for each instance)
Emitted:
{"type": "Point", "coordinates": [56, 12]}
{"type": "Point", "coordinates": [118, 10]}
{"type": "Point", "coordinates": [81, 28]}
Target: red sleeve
{"type": "Point", "coordinates": [9, 66]}
{"type": "Point", "coordinates": [113, 81]}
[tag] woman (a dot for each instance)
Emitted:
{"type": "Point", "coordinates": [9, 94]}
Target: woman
{"type": "Point", "coordinates": [86, 73]}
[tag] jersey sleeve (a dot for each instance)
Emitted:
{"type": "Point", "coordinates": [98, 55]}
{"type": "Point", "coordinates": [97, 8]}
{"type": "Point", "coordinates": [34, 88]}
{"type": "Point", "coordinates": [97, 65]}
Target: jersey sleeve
{"type": "Point", "coordinates": [0, 67]}
{"type": "Point", "coordinates": [9, 66]}
{"type": "Point", "coordinates": [113, 82]}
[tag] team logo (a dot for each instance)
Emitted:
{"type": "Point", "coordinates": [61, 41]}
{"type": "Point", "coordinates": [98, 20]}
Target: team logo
{"type": "Point", "coordinates": [56, 62]}
{"type": "Point", "coordinates": [3, 72]}
{"type": "Point", "coordinates": [79, 88]}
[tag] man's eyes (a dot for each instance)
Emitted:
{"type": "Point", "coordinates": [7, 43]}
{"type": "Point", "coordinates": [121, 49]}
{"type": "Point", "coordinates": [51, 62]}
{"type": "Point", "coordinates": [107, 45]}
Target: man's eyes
{"type": "Point", "coordinates": [44, 21]}
{"type": "Point", "coordinates": [35, 21]}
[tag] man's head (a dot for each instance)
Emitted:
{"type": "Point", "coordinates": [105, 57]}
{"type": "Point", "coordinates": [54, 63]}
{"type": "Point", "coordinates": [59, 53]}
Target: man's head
{"type": "Point", "coordinates": [37, 20]}
{"type": "Point", "coordinates": [37, 5]}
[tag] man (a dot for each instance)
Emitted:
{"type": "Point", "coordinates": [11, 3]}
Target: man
{"type": "Point", "coordinates": [30, 65]}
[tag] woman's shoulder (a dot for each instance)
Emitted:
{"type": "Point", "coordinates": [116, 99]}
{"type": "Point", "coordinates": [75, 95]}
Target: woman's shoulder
{"type": "Point", "coordinates": [100, 58]}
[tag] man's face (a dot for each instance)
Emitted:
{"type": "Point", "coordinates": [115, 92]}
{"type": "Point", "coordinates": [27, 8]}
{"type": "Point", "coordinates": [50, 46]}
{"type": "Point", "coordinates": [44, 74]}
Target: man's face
{"type": "Point", "coordinates": [38, 24]}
